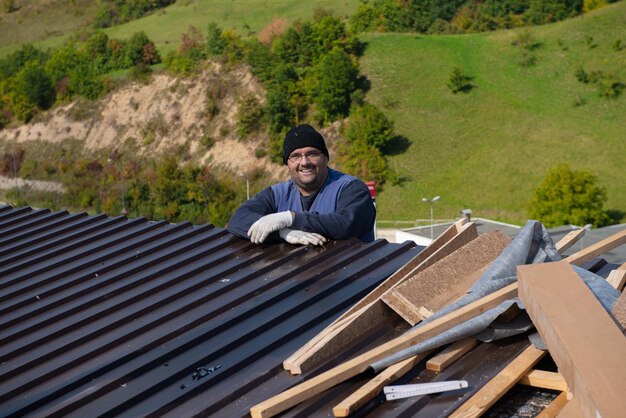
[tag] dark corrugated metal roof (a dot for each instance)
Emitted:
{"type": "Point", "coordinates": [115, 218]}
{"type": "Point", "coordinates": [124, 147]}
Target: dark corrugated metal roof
{"type": "Point", "coordinates": [127, 317]}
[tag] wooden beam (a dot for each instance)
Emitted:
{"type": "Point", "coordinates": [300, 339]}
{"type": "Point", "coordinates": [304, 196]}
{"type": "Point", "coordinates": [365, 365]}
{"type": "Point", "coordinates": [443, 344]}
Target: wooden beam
{"type": "Point", "coordinates": [570, 239]}
{"type": "Point", "coordinates": [552, 410]}
{"type": "Point", "coordinates": [591, 252]}
{"type": "Point", "coordinates": [617, 277]}
{"type": "Point", "coordinates": [450, 354]}
{"type": "Point", "coordinates": [581, 336]}
{"type": "Point", "coordinates": [373, 387]}
{"type": "Point", "coordinates": [544, 380]}
{"type": "Point", "coordinates": [499, 385]}
{"type": "Point", "coordinates": [353, 367]}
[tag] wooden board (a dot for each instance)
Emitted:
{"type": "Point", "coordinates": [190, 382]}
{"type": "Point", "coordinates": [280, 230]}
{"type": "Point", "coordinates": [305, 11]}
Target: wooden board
{"type": "Point", "coordinates": [373, 387]}
{"type": "Point", "coordinates": [570, 239]}
{"type": "Point", "coordinates": [581, 336]}
{"type": "Point", "coordinates": [572, 409]}
{"type": "Point", "coordinates": [617, 277]}
{"type": "Point", "coordinates": [353, 367]}
{"type": "Point", "coordinates": [555, 407]}
{"type": "Point", "coordinates": [499, 385]}
{"type": "Point", "coordinates": [450, 354]}
{"type": "Point", "coordinates": [591, 252]}
{"type": "Point", "coordinates": [416, 291]}
{"type": "Point", "coordinates": [619, 312]}
{"type": "Point", "coordinates": [349, 326]}
{"type": "Point", "coordinates": [545, 380]}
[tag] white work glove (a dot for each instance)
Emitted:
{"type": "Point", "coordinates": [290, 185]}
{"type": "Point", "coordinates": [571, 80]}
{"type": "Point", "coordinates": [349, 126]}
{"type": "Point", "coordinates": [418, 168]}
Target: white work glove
{"type": "Point", "coordinates": [268, 224]}
{"type": "Point", "coordinates": [295, 236]}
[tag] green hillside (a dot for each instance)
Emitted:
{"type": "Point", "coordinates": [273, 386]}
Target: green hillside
{"type": "Point", "coordinates": [53, 24]}
{"type": "Point", "coordinates": [484, 150]}
{"type": "Point", "coordinates": [488, 149]}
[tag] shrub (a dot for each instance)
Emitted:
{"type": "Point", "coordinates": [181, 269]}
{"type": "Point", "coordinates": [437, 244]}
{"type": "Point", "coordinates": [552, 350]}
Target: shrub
{"type": "Point", "coordinates": [33, 83]}
{"type": "Point", "coordinates": [459, 82]}
{"type": "Point", "coordinates": [249, 114]}
{"type": "Point", "coordinates": [566, 196]}
{"type": "Point", "coordinates": [215, 43]}
{"type": "Point", "coordinates": [369, 125]}
{"type": "Point", "coordinates": [581, 75]}
{"type": "Point", "coordinates": [207, 141]}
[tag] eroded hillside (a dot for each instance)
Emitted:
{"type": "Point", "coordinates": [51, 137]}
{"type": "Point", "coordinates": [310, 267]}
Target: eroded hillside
{"type": "Point", "coordinates": [165, 115]}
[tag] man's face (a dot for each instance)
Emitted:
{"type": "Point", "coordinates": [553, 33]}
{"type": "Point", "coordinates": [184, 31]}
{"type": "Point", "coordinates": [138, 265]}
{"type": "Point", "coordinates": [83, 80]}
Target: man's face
{"type": "Point", "coordinates": [308, 168]}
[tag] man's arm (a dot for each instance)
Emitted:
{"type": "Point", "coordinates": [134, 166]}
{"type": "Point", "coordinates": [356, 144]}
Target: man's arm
{"type": "Point", "coordinates": [354, 217]}
{"type": "Point", "coordinates": [251, 211]}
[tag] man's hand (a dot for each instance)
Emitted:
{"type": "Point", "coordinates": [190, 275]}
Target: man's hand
{"type": "Point", "coordinates": [294, 236]}
{"type": "Point", "coordinates": [268, 224]}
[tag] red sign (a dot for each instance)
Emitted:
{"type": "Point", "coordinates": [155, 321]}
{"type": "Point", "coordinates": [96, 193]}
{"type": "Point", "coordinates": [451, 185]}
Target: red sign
{"type": "Point", "coordinates": [371, 186]}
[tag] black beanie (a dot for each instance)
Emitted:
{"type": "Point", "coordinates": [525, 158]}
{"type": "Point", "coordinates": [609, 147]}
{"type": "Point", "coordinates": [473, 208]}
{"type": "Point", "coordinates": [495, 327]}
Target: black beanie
{"type": "Point", "coordinates": [303, 136]}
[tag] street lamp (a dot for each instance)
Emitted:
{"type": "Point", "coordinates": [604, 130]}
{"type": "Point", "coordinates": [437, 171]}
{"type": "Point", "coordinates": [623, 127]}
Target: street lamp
{"type": "Point", "coordinates": [111, 160]}
{"type": "Point", "coordinates": [432, 221]}
{"type": "Point", "coordinates": [247, 185]}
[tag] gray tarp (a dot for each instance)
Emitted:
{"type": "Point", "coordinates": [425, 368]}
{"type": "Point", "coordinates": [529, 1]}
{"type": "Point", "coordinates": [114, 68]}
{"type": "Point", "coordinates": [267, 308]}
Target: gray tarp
{"type": "Point", "coordinates": [532, 245]}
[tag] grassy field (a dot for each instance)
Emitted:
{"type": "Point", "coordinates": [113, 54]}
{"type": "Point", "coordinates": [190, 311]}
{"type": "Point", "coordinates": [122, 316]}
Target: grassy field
{"type": "Point", "coordinates": [165, 27]}
{"type": "Point", "coordinates": [486, 150]}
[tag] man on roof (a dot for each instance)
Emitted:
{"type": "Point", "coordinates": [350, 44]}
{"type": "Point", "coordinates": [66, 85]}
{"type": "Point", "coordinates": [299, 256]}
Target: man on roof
{"type": "Point", "coordinates": [316, 204]}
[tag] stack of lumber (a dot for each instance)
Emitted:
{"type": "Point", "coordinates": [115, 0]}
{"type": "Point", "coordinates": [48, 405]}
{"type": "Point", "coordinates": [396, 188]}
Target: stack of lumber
{"type": "Point", "coordinates": [585, 341]}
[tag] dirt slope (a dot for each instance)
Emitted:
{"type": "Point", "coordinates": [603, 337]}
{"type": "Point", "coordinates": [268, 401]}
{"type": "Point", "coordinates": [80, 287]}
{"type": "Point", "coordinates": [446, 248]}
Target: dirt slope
{"type": "Point", "coordinates": [160, 117]}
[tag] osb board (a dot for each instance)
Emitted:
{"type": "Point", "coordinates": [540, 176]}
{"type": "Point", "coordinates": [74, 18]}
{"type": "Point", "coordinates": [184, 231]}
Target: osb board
{"type": "Point", "coordinates": [581, 336]}
{"type": "Point", "coordinates": [417, 291]}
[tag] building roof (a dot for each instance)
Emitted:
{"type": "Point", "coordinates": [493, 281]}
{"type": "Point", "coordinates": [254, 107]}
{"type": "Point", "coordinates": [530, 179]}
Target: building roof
{"type": "Point", "coordinates": [421, 235]}
{"type": "Point", "coordinates": [128, 317]}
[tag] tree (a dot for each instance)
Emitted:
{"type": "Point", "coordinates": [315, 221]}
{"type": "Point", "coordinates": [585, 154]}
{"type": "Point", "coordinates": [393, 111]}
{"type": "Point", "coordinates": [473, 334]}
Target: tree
{"type": "Point", "coordinates": [459, 81]}
{"type": "Point", "coordinates": [566, 196]}
{"type": "Point", "coordinates": [368, 124]}
{"type": "Point", "coordinates": [34, 84]}
{"type": "Point", "coordinates": [335, 79]}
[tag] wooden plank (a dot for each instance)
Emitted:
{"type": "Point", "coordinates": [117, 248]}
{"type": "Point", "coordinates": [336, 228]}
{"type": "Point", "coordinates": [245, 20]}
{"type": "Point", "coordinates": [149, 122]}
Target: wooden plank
{"type": "Point", "coordinates": [570, 239]}
{"type": "Point", "coordinates": [545, 380]}
{"type": "Point", "coordinates": [591, 252]}
{"type": "Point", "coordinates": [342, 331]}
{"type": "Point", "coordinates": [450, 354]}
{"type": "Point", "coordinates": [373, 387]}
{"type": "Point", "coordinates": [581, 336]}
{"type": "Point", "coordinates": [572, 409]}
{"type": "Point", "coordinates": [414, 292]}
{"type": "Point", "coordinates": [619, 312]}
{"type": "Point", "coordinates": [555, 407]}
{"type": "Point", "coordinates": [500, 384]}
{"type": "Point", "coordinates": [353, 367]}
{"type": "Point", "coordinates": [617, 277]}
